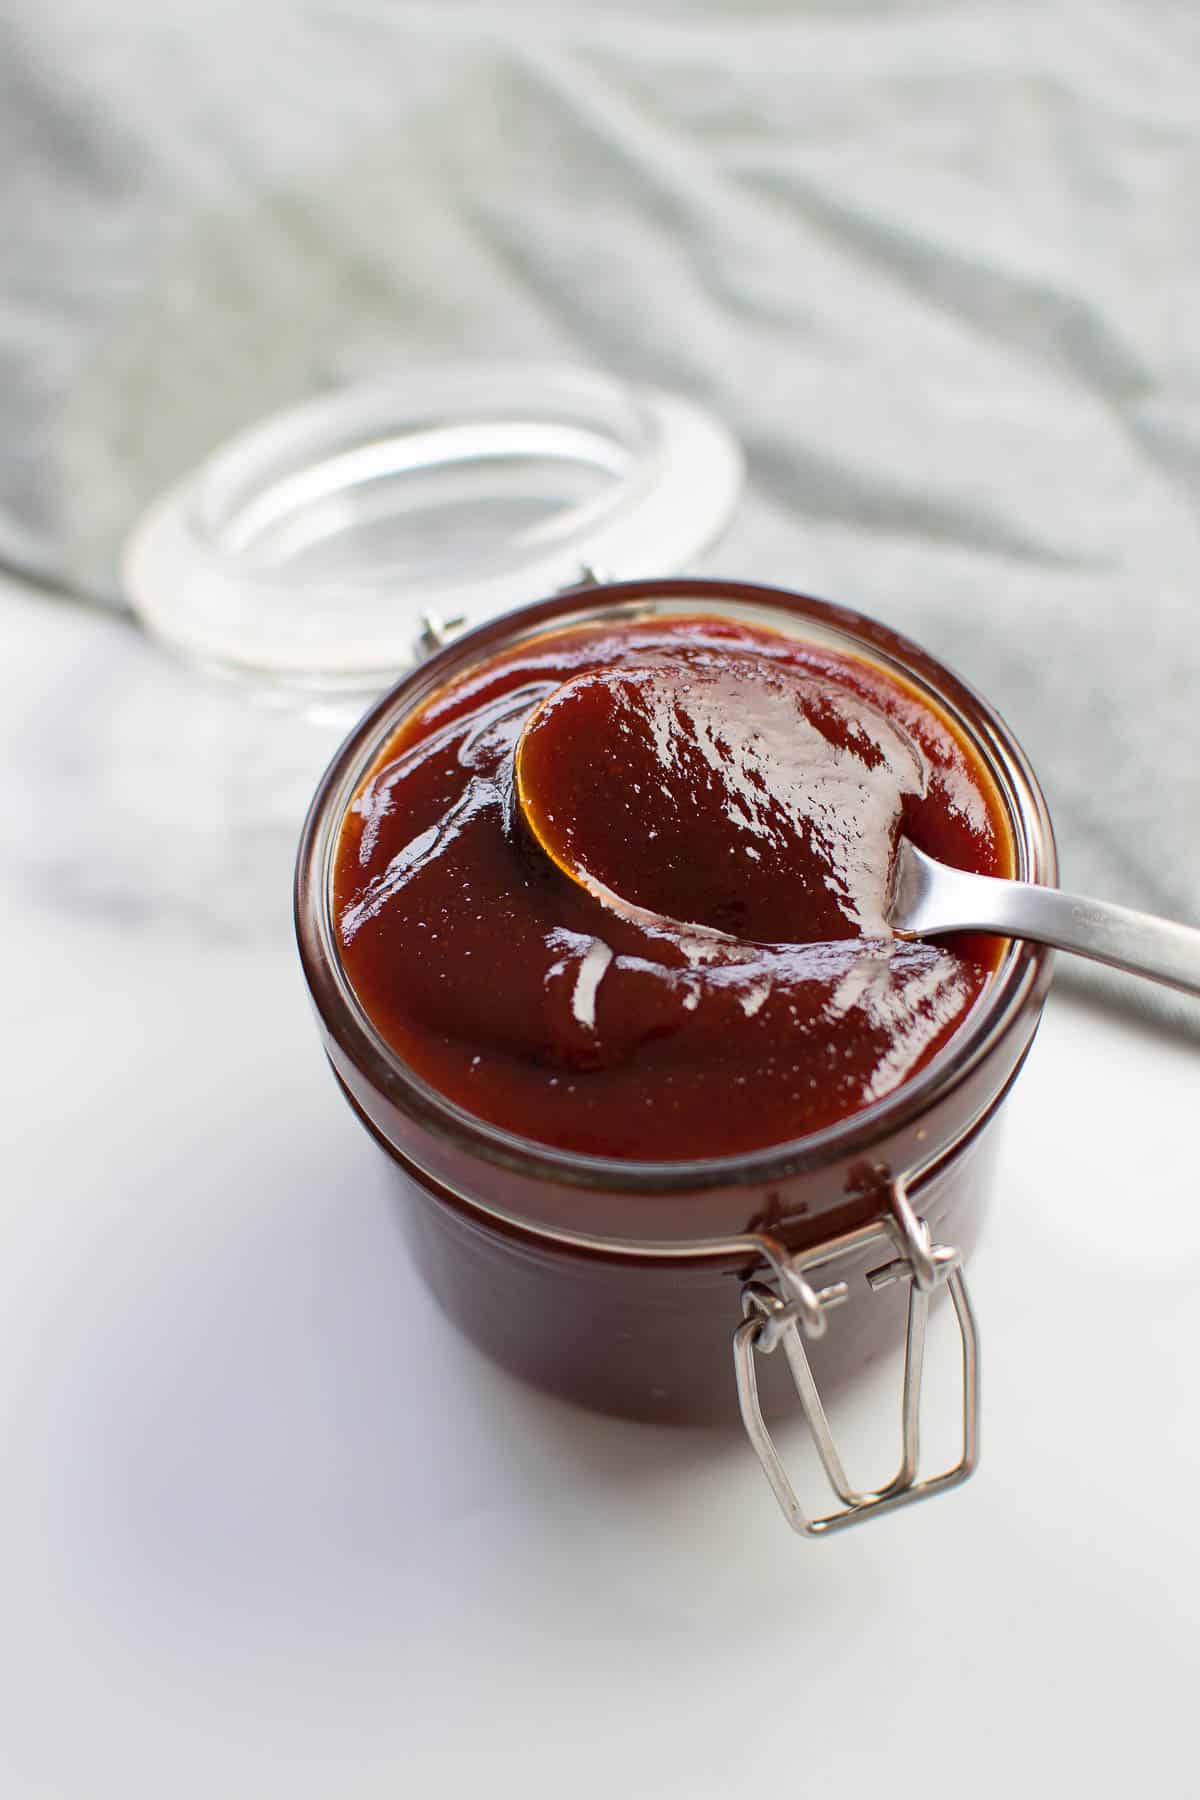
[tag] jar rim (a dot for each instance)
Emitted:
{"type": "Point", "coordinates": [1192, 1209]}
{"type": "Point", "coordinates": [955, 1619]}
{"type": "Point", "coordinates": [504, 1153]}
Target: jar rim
{"type": "Point", "coordinates": [1017, 979]}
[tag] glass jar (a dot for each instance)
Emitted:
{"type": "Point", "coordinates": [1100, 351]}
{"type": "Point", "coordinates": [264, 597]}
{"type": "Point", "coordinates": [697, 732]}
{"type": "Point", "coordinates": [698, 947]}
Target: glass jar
{"type": "Point", "coordinates": [618, 1283]}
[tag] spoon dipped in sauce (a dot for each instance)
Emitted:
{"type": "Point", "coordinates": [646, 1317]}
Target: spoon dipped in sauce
{"type": "Point", "coordinates": [752, 802]}
{"type": "Point", "coordinates": [539, 974]}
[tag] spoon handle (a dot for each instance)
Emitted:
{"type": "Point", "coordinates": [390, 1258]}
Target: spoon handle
{"type": "Point", "coordinates": [931, 898]}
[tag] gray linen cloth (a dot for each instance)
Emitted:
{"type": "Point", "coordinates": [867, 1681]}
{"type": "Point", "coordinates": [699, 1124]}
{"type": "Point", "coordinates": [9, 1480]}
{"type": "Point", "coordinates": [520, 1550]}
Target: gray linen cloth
{"type": "Point", "coordinates": [936, 265]}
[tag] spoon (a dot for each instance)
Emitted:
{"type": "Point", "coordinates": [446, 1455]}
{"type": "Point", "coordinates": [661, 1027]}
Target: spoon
{"type": "Point", "coordinates": [557, 767]}
{"type": "Point", "coordinates": [929, 898]}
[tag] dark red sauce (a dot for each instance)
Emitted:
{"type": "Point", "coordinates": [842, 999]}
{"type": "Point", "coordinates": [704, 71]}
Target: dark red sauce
{"type": "Point", "coordinates": [725, 979]}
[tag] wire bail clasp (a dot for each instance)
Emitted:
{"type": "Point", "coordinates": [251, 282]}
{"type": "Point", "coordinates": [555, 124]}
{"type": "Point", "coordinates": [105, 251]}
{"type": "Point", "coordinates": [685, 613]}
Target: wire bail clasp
{"type": "Point", "coordinates": [773, 1318]}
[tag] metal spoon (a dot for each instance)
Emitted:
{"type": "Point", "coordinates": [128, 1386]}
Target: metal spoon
{"type": "Point", "coordinates": [929, 898]}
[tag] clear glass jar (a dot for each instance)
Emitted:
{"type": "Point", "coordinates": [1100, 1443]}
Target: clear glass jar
{"type": "Point", "coordinates": [617, 1283]}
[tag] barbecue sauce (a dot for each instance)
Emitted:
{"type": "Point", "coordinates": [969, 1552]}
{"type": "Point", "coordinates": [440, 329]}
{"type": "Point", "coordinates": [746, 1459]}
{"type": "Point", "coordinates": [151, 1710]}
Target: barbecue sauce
{"type": "Point", "coordinates": [671, 943]}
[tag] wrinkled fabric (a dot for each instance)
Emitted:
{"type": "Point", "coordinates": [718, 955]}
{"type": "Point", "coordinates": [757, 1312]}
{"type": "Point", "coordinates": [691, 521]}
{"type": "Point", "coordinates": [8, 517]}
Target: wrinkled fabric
{"type": "Point", "coordinates": [936, 265]}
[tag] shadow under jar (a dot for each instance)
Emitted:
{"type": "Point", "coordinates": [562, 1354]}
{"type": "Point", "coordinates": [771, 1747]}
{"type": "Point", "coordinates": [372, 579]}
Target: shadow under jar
{"type": "Point", "coordinates": [617, 1282]}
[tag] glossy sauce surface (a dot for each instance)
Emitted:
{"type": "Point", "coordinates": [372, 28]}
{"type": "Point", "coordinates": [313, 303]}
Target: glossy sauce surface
{"type": "Point", "coordinates": [725, 980]}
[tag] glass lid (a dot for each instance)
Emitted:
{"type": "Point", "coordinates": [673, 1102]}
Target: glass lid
{"type": "Point", "coordinates": [325, 545]}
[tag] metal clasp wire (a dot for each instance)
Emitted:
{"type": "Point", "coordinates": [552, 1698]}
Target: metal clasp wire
{"type": "Point", "coordinates": [771, 1320]}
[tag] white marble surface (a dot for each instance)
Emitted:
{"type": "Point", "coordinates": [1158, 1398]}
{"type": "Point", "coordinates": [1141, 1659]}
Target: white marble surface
{"type": "Point", "coordinates": [268, 1527]}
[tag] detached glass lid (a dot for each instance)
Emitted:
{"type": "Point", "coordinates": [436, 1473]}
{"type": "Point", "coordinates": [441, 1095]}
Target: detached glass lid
{"type": "Point", "coordinates": [318, 546]}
